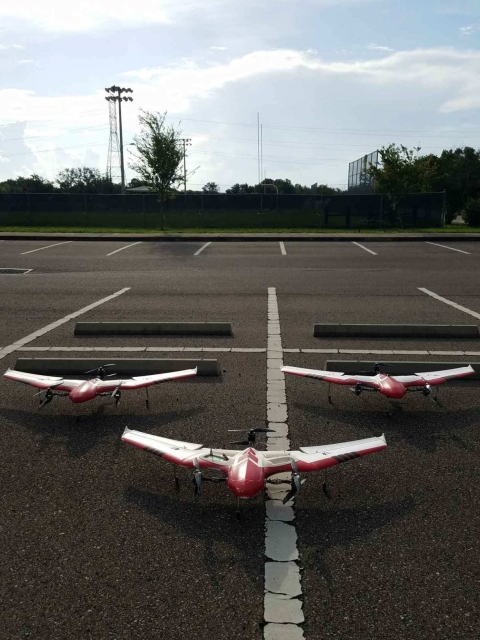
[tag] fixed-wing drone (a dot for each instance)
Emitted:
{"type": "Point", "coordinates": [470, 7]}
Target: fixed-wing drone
{"type": "Point", "coordinates": [246, 471]}
{"type": "Point", "coordinates": [84, 390]}
{"type": "Point", "coordinates": [394, 387]}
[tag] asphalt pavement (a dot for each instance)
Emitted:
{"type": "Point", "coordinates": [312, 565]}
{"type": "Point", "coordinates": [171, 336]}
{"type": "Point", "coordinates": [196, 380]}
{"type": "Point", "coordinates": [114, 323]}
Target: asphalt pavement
{"type": "Point", "coordinates": [97, 543]}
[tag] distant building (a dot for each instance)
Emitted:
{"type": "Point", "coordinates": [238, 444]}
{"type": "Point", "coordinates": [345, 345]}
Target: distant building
{"type": "Point", "coordinates": [359, 180]}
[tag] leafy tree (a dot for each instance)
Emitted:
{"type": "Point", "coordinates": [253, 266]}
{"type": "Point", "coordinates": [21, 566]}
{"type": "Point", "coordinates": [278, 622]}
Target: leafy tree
{"type": "Point", "coordinates": [32, 184]}
{"type": "Point", "coordinates": [471, 213]}
{"type": "Point", "coordinates": [211, 187]}
{"type": "Point", "coordinates": [135, 182]}
{"type": "Point", "coordinates": [398, 175]}
{"type": "Point", "coordinates": [85, 180]}
{"type": "Point", "coordinates": [240, 188]}
{"type": "Point", "coordinates": [159, 153]}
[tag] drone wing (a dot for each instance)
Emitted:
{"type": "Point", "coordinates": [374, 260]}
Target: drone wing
{"type": "Point", "coordinates": [335, 377]}
{"type": "Point", "coordinates": [42, 382]}
{"type": "Point", "coordinates": [139, 382]}
{"type": "Point", "coordinates": [434, 377]}
{"type": "Point", "coordinates": [320, 457]}
{"type": "Point", "coordinates": [178, 452]}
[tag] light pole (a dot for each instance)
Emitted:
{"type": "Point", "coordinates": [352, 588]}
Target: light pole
{"type": "Point", "coordinates": [186, 142]}
{"type": "Point", "coordinates": [115, 95]}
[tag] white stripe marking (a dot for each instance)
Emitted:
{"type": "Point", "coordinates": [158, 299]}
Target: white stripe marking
{"type": "Point", "coordinates": [282, 248]}
{"type": "Point", "coordinates": [122, 248]}
{"type": "Point", "coordinates": [449, 302]}
{"type": "Point", "coordinates": [49, 247]}
{"type": "Point", "coordinates": [197, 253]}
{"type": "Point", "coordinates": [365, 248]}
{"type": "Point", "coordinates": [282, 613]}
{"type": "Point", "coordinates": [444, 246]}
{"type": "Point", "coordinates": [40, 332]}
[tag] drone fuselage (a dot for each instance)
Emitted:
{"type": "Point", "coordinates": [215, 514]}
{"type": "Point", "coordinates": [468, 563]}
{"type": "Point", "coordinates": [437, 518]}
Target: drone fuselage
{"type": "Point", "coordinates": [88, 390]}
{"type": "Point", "coordinates": [246, 476]}
{"type": "Point", "coordinates": [391, 388]}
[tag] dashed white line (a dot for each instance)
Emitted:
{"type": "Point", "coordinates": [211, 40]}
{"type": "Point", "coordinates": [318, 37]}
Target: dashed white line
{"type": "Point", "coordinates": [282, 248]}
{"type": "Point", "coordinates": [282, 610]}
{"type": "Point", "coordinates": [364, 248]}
{"type": "Point", "coordinates": [197, 253]}
{"type": "Point", "coordinates": [40, 332]}
{"type": "Point", "coordinates": [450, 302]}
{"type": "Point", "coordinates": [444, 246]}
{"type": "Point", "coordinates": [48, 247]}
{"type": "Point", "coordinates": [122, 248]}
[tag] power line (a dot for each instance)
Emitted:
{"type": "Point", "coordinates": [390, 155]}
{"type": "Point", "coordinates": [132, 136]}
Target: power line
{"type": "Point", "coordinates": [34, 151]}
{"type": "Point", "coordinates": [80, 114]}
{"type": "Point", "coordinates": [49, 135]}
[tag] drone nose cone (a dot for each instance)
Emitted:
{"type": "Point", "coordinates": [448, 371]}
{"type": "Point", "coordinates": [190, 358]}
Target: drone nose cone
{"type": "Point", "coordinates": [393, 389]}
{"type": "Point", "coordinates": [245, 488]}
{"type": "Point", "coordinates": [82, 393]}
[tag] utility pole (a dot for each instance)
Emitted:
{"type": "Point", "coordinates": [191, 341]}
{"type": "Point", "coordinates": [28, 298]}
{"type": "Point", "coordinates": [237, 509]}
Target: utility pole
{"type": "Point", "coordinates": [115, 95]}
{"type": "Point", "coordinates": [186, 142]}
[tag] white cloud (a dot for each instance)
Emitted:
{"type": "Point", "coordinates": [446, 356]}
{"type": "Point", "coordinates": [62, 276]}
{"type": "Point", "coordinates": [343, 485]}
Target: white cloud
{"type": "Point", "coordinates": [470, 30]}
{"type": "Point", "coordinates": [376, 47]}
{"type": "Point", "coordinates": [448, 71]}
{"type": "Point", "coordinates": [6, 47]}
{"type": "Point", "coordinates": [86, 15]}
{"type": "Point", "coordinates": [218, 48]}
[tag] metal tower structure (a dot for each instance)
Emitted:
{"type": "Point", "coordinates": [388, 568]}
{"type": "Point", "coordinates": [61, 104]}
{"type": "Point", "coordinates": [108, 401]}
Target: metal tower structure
{"type": "Point", "coordinates": [114, 168]}
{"type": "Point", "coordinates": [115, 147]}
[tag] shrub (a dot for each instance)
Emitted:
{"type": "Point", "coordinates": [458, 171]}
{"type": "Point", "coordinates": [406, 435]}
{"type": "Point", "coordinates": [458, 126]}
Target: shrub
{"type": "Point", "coordinates": [471, 212]}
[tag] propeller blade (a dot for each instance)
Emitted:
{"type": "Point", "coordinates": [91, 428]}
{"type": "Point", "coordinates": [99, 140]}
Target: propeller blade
{"type": "Point", "coordinates": [289, 495]}
{"type": "Point", "coordinates": [263, 430]}
{"type": "Point", "coordinates": [245, 442]}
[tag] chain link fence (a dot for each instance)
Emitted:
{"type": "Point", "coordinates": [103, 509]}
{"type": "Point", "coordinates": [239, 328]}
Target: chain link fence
{"type": "Point", "coordinates": [221, 211]}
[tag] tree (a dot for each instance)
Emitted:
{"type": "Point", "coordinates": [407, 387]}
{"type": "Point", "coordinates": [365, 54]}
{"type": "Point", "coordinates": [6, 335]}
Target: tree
{"type": "Point", "coordinates": [32, 184]}
{"type": "Point", "coordinates": [85, 180]}
{"type": "Point", "coordinates": [211, 187]}
{"type": "Point", "coordinates": [159, 152]}
{"type": "Point", "coordinates": [397, 175]}
{"type": "Point", "coordinates": [240, 188]}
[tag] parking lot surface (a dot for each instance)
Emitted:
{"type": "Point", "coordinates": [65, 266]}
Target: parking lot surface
{"type": "Point", "coordinates": [96, 541]}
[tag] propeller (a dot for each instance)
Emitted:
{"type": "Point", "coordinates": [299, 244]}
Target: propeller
{"type": "Point", "coordinates": [375, 369]}
{"type": "Point", "coordinates": [117, 394]}
{"type": "Point", "coordinates": [48, 396]}
{"type": "Point", "coordinates": [100, 371]}
{"type": "Point", "coordinates": [251, 436]}
{"type": "Point", "coordinates": [197, 479]}
{"type": "Point", "coordinates": [296, 483]}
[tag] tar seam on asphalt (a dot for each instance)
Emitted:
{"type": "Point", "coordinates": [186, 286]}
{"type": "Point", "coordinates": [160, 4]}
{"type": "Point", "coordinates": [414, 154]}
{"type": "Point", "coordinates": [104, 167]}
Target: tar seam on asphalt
{"type": "Point", "coordinates": [282, 606]}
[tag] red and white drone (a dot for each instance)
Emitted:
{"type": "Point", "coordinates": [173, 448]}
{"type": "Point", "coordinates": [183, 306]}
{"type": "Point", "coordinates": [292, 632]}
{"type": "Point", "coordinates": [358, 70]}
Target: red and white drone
{"type": "Point", "coordinates": [394, 387]}
{"type": "Point", "coordinates": [83, 390]}
{"type": "Point", "coordinates": [246, 471]}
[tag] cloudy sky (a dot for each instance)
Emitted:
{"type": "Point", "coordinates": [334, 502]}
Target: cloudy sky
{"type": "Point", "coordinates": [331, 80]}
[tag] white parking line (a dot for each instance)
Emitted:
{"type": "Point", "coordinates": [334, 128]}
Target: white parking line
{"type": "Point", "coordinates": [444, 246]}
{"type": "Point", "coordinates": [33, 336]}
{"type": "Point", "coordinates": [449, 302]}
{"type": "Point", "coordinates": [365, 248]}
{"type": "Point", "coordinates": [197, 253]}
{"type": "Point", "coordinates": [49, 247]}
{"type": "Point", "coordinates": [122, 248]}
{"type": "Point", "coordinates": [254, 351]}
{"type": "Point", "coordinates": [282, 248]}
{"type": "Point", "coordinates": [282, 610]}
